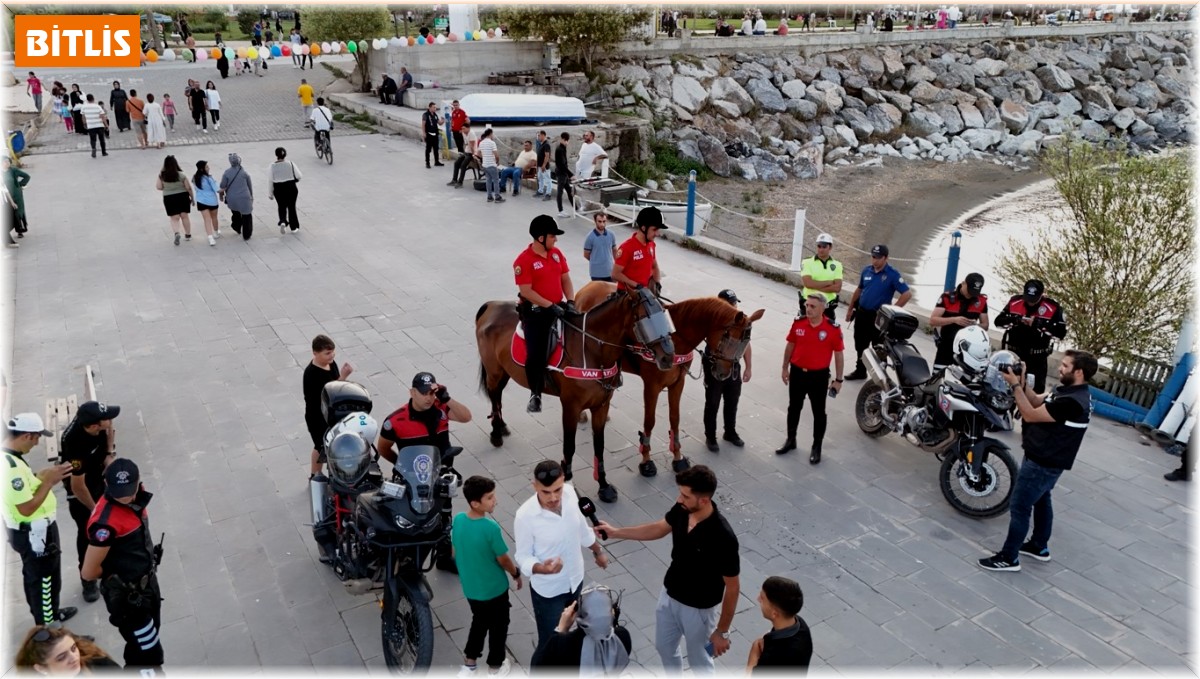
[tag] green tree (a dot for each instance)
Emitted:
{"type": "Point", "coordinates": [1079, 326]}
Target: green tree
{"type": "Point", "coordinates": [246, 19]}
{"type": "Point", "coordinates": [1120, 259]}
{"type": "Point", "coordinates": [582, 34]}
{"type": "Point", "coordinates": [362, 23]}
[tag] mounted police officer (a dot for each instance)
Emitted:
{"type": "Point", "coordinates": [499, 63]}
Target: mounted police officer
{"type": "Point", "coordinates": [545, 294]}
{"type": "Point", "coordinates": [122, 554]}
{"type": "Point", "coordinates": [636, 264]}
{"type": "Point", "coordinates": [1034, 322]}
{"type": "Point", "coordinates": [29, 507]}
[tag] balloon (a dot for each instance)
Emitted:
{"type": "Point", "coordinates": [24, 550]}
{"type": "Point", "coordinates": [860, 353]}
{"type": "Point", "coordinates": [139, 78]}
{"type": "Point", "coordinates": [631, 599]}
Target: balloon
{"type": "Point", "coordinates": [315, 49]}
{"type": "Point", "coordinates": [491, 33]}
{"type": "Point", "coordinates": [151, 56]}
{"type": "Point", "coordinates": [306, 49]}
{"type": "Point", "coordinates": [452, 37]}
{"type": "Point", "coordinates": [469, 36]}
{"type": "Point", "coordinates": [252, 53]}
{"type": "Point", "coordinates": [241, 53]}
{"type": "Point", "coordinates": [420, 40]}
{"type": "Point", "coordinates": [284, 50]}
{"type": "Point", "coordinates": [362, 46]}
{"type": "Point", "coordinates": [411, 42]}
{"type": "Point", "coordinates": [276, 51]}
{"type": "Point", "coordinates": [479, 35]}
{"type": "Point", "coordinates": [335, 47]}
{"type": "Point", "coordinates": [397, 42]}
{"type": "Point", "coordinates": [499, 33]}
{"type": "Point", "coordinates": [215, 53]}
{"type": "Point", "coordinates": [201, 55]}
{"type": "Point", "coordinates": [325, 47]}
{"type": "Point", "coordinates": [441, 40]}
{"type": "Point", "coordinates": [191, 42]}
{"type": "Point", "coordinates": [229, 53]}
{"type": "Point", "coordinates": [168, 54]}
{"type": "Point", "coordinates": [188, 55]}
{"type": "Point", "coordinates": [352, 47]}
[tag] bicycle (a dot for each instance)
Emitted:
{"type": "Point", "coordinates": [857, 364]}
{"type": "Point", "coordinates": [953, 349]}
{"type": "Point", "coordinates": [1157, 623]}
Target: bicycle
{"type": "Point", "coordinates": [324, 146]}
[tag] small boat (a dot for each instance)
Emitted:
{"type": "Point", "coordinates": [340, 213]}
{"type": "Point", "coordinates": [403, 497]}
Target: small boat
{"type": "Point", "coordinates": [674, 212]}
{"type": "Point", "coordinates": [523, 108]}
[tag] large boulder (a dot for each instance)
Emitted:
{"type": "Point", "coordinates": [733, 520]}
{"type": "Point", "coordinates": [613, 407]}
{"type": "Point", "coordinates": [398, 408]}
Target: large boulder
{"type": "Point", "coordinates": [1096, 104]}
{"type": "Point", "coordinates": [1024, 144]}
{"type": "Point", "coordinates": [971, 115]}
{"type": "Point", "coordinates": [859, 123]}
{"type": "Point", "coordinates": [1148, 95]}
{"type": "Point", "coordinates": [980, 139]}
{"type": "Point", "coordinates": [1014, 115]}
{"type": "Point", "coordinates": [1068, 105]}
{"type": "Point", "coordinates": [854, 82]}
{"type": "Point", "coordinates": [1051, 126]}
{"type": "Point", "coordinates": [884, 117]}
{"type": "Point", "coordinates": [688, 94]}
{"type": "Point", "coordinates": [765, 95]}
{"type": "Point", "coordinates": [699, 71]}
{"type": "Point", "coordinates": [793, 89]}
{"type": "Point", "coordinates": [689, 150]}
{"type": "Point", "coordinates": [1093, 131]}
{"type": "Point", "coordinates": [1126, 56]}
{"type": "Point", "coordinates": [803, 109]}
{"type": "Point", "coordinates": [632, 73]}
{"type": "Point", "coordinates": [827, 101]}
{"type": "Point", "coordinates": [1084, 60]}
{"type": "Point", "coordinates": [844, 136]}
{"type": "Point", "coordinates": [989, 67]}
{"type": "Point", "coordinates": [924, 122]}
{"type": "Point", "coordinates": [871, 96]}
{"type": "Point", "coordinates": [712, 154]}
{"type": "Point", "coordinates": [725, 108]}
{"type": "Point", "coordinates": [1124, 118]}
{"type": "Point", "coordinates": [893, 63]}
{"type": "Point", "coordinates": [1172, 87]}
{"type": "Point", "coordinates": [1055, 79]}
{"type": "Point", "coordinates": [871, 67]}
{"type": "Point", "coordinates": [729, 91]}
{"type": "Point", "coordinates": [768, 169]}
{"type": "Point", "coordinates": [919, 73]}
{"type": "Point", "coordinates": [900, 101]}
{"type": "Point", "coordinates": [809, 162]}
{"type": "Point", "coordinates": [926, 93]}
{"type": "Point", "coordinates": [949, 114]}
{"type": "Point", "coordinates": [1020, 61]}
{"type": "Point", "coordinates": [831, 74]}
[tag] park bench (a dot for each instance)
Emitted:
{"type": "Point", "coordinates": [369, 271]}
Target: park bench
{"type": "Point", "coordinates": [60, 411]}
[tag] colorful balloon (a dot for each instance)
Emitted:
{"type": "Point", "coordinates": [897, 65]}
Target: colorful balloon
{"type": "Point", "coordinates": [315, 49]}
{"type": "Point", "coordinates": [420, 40]}
{"type": "Point", "coordinates": [276, 51]}
{"type": "Point", "coordinates": [168, 54]}
{"type": "Point", "coordinates": [186, 55]}
{"type": "Point", "coordinates": [441, 40]}
{"type": "Point", "coordinates": [352, 47]}
{"type": "Point", "coordinates": [151, 56]}
{"type": "Point", "coordinates": [362, 46]}
{"type": "Point", "coordinates": [201, 55]}
{"type": "Point", "coordinates": [499, 32]}
{"type": "Point", "coordinates": [452, 37]}
{"type": "Point", "coordinates": [325, 47]}
{"type": "Point", "coordinates": [284, 50]}
{"type": "Point", "coordinates": [252, 53]}
{"type": "Point", "coordinates": [491, 33]}
{"type": "Point", "coordinates": [397, 42]}
{"type": "Point", "coordinates": [479, 35]}
{"type": "Point", "coordinates": [469, 36]}
{"type": "Point", "coordinates": [306, 49]}
{"type": "Point", "coordinates": [412, 42]}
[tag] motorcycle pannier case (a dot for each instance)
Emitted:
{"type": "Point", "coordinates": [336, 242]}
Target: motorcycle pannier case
{"type": "Point", "coordinates": [339, 399]}
{"type": "Point", "coordinates": [895, 323]}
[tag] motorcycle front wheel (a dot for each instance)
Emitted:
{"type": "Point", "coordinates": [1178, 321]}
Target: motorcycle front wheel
{"type": "Point", "coordinates": [407, 629]}
{"type": "Point", "coordinates": [989, 495]}
{"type": "Point", "coordinates": [868, 410]}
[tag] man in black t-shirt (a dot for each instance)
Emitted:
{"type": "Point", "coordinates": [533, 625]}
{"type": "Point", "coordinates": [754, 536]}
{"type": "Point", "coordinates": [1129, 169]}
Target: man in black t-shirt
{"type": "Point", "coordinates": [787, 648]}
{"type": "Point", "coordinates": [88, 446]}
{"type": "Point", "coordinates": [543, 165]}
{"type": "Point", "coordinates": [700, 589]}
{"type": "Point", "coordinates": [1052, 430]}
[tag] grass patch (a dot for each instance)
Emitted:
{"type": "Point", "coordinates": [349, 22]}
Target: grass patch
{"type": "Point", "coordinates": [335, 70]}
{"type": "Point", "coordinates": [666, 158]}
{"type": "Point", "coordinates": [359, 121]}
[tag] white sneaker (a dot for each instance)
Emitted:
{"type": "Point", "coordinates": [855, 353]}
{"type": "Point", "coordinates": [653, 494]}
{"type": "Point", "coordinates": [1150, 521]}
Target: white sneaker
{"type": "Point", "coordinates": [501, 671]}
{"type": "Point", "coordinates": [282, 229]}
{"type": "Point", "coordinates": [217, 233]}
{"type": "Point", "coordinates": [563, 213]}
{"type": "Point", "coordinates": [467, 671]}
{"type": "Point", "coordinates": [206, 130]}
{"type": "Point", "coordinates": [212, 241]}
{"type": "Point", "coordinates": [217, 126]}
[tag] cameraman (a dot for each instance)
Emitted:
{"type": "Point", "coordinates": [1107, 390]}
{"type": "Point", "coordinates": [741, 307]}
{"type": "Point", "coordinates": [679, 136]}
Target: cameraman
{"type": "Point", "coordinates": [1051, 433]}
{"type": "Point", "coordinates": [597, 645]}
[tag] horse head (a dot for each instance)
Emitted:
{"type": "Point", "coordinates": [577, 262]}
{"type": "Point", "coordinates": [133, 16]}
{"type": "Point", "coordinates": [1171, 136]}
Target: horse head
{"type": "Point", "coordinates": [727, 344]}
{"type": "Point", "coordinates": [652, 327]}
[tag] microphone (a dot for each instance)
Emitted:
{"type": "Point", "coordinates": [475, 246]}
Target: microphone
{"type": "Point", "coordinates": [589, 510]}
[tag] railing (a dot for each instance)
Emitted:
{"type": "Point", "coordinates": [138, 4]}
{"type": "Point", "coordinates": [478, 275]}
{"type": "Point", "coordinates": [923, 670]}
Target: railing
{"type": "Point", "coordinates": [1137, 380]}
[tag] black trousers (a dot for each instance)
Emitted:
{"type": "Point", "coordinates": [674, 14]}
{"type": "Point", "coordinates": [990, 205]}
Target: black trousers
{"type": "Point", "coordinates": [714, 390]}
{"type": "Point", "coordinates": [97, 133]}
{"type": "Point", "coordinates": [564, 184]}
{"type": "Point", "coordinates": [461, 164]}
{"type": "Point", "coordinates": [431, 148]}
{"type": "Point", "coordinates": [243, 224]}
{"type": "Point", "coordinates": [42, 575]}
{"type": "Point", "coordinates": [1035, 364]}
{"type": "Point", "coordinates": [387, 97]}
{"type": "Point", "coordinates": [814, 384]}
{"type": "Point", "coordinates": [216, 115]}
{"type": "Point", "coordinates": [138, 619]}
{"type": "Point", "coordinates": [488, 618]}
{"type": "Point", "coordinates": [537, 322]}
{"type": "Point", "coordinates": [80, 515]}
{"type": "Point", "coordinates": [285, 196]}
{"type": "Point", "coordinates": [864, 333]}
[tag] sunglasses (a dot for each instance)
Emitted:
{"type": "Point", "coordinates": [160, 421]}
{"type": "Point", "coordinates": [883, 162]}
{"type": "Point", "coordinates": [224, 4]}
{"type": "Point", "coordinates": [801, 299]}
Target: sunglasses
{"type": "Point", "coordinates": [548, 476]}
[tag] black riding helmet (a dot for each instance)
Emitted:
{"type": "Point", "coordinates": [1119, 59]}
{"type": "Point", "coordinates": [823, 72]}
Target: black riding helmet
{"type": "Point", "coordinates": [544, 225]}
{"type": "Point", "coordinates": [648, 217]}
{"type": "Point", "coordinates": [728, 296]}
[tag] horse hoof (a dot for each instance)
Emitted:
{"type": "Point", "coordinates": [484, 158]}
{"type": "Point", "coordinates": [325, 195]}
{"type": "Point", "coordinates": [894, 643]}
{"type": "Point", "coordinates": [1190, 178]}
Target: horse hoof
{"type": "Point", "coordinates": [504, 431]}
{"type": "Point", "coordinates": [680, 465]}
{"type": "Point", "coordinates": [497, 439]}
{"type": "Point", "coordinates": [608, 493]}
{"type": "Point", "coordinates": [567, 474]}
{"type": "Point", "coordinates": [648, 469]}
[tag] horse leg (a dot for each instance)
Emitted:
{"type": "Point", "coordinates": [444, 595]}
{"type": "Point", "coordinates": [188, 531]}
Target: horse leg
{"type": "Point", "coordinates": [570, 420]}
{"type": "Point", "coordinates": [495, 390]}
{"type": "Point", "coordinates": [647, 467]}
{"type": "Point", "coordinates": [674, 393]}
{"type": "Point", "coordinates": [608, 493]}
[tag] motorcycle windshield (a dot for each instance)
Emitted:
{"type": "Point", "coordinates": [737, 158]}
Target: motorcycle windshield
{"type": "Point", "coordinates": [418, 466]}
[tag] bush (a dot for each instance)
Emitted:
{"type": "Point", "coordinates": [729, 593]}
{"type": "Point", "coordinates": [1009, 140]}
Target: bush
{"type": "Point", "coordinates": [666, 158]}
{"type": "Point", "coordinates": [246, 18]}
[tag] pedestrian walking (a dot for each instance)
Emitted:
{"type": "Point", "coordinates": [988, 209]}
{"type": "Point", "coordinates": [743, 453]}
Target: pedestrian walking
{"type": "Point", "coordinates": [788, 646]}
{"type": "Point", "coordinates": [297, 58]}
{"type": "Point", "coordinates": [484, 566]}
{"type": "Point", "coordinates": [431, 122]}
{"type": "Point", "coordinates": [177, 197]}
{"type": "Point", "coordinates": [29, 508]}
{"type": "Point", "coordinates": [877, 284]}
{"type": "Point", "coordinates": [8, 217]}
{"type": "Point", "coordinates": [88, 445]}
{"type": "Point", "coordinates": [168, 109]}
{"type": "Point", "coordinates": [962, 307]}
{"type": "Point", "coordinates": [305, 92]}
{"type": "Point", "coordinates": [822, 274]}
{"type": "Point", "coordinates": [213, 100]}
{"type": "Point", "coordinates": [489, 159]}
{"type": "Point", "coordinates": [156, 123]}
{"type": "Point", "coordinates": [237, 191]}
{"type": "Point", "coordinates": [95, 121]}
{"type": "Point", "coordinates": [198, 105]}
{"type": "Point", "coordinates": [136, 116]}
{"type": "Point", "coordinates": [223, 64]}
{"type": "Point", "coordinates": [58, 651]}
{"type": "Point", "coordinates": [812, 342]}
{"type": "Point", "coordinates": [1034, 321]}
{"type": "Point", "coordinates": [64, 111]}
{"type": "Point", "coordinates": [600, 248]}
{"type": "Point", "coordinates": [700, 590]}
{"type": "Point", "coordinates": [15, 181]}
{"type": "Point", "coordinates": [550, 533]}
{"type": "Point", "coordinates": [1052, 430]}
{"type": "Point", "coordinates": [207, 200]}
{"type": "Point", "coordinates": [122, 555]}
{"type": "Point", "coordinates": [33, 87]}
{"type": "Point", "coordinates": [118, 104]}
{"type": "Point", "coordinates": [77, 100]}
{"type": "Point", "coordinates": [728, 390]}
{"type": "Point", "coordinates": [321, 370]}
{"type": "Point", "coordinates": [563, 174]}
{"type": "Point", "coordinates": [285, 180]}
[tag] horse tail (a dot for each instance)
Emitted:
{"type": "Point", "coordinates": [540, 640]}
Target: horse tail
{"type": "Point", "coordinates": [483, 386]}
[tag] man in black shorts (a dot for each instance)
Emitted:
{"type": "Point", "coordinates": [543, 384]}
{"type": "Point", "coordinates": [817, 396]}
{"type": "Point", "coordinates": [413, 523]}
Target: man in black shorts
{"type": "Point", "coordinates": [321, 371]}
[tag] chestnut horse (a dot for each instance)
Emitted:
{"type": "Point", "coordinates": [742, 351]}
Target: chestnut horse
{"type": "Point", "coordinates": [704, 319]}
{"type": "Point", "coordinates": [593, 341]}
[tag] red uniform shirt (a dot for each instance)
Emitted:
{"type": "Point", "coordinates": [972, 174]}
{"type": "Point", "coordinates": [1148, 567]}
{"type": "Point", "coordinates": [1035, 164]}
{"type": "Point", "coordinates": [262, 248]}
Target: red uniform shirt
{"type": "Point", "coordinates": [457, 117]}
{"type": "Point", "coordinates": [636, 260]}
{"type": "Point", "coordinates": [543, 273]}
{"type": "Point", "coordinates": [407, 427]}
{"type": "Point", "coordinates": [812, 348]}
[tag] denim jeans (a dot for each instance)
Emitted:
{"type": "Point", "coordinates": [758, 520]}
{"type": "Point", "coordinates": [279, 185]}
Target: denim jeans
{"type": "Point", "coordinates": [547, 611]}
{"type": "Point", "coordinates": [543, 179]}
{"type": "Point", "coordinates": [513, 173]}
{"type": "Point", "coordinates": [492, 175]}
{"type": "Point", "coordinates": [1031, 495]}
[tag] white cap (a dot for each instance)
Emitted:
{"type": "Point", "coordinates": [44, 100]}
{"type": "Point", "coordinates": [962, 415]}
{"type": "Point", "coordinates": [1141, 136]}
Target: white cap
{"type": "Point", "coordinates": [825, 238]}
{"type": "Point", "coordinates": [28, 423]}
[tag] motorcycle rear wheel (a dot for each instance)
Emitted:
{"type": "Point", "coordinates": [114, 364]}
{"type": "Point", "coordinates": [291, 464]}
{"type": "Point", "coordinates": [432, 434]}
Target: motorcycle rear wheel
{"type": "Point", "coordinates": [407, 630]}
{"type": "Point", "coordinates": [868, 410]}
{"type": "Point", "coordinates": [990, 496]}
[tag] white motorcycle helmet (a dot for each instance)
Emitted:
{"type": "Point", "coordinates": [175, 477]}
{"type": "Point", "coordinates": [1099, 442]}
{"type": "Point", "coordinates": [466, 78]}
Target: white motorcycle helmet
{"type": "Point", "coordinates": [354, 423]}
{"type": "Point", "coordinates": [972, 348]}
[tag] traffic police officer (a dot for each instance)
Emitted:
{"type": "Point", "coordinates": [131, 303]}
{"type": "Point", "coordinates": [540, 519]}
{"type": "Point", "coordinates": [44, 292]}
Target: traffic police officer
{"type": "Point", "coordinates": [29, 506]}
{"type": "Point", "coordinates": [877, 283]}
{"type": "Point", "coordinates": [964, 305]}
{"type": "Point", "coordinates": [822, 274]}
{"type": "Point", "coordinates": [729, 389]}
{"type": "Point", "coordinates": [86, 444]}
{"type": "Point", "coordinates": [544, 282]}
{"type": "Point", "coordinates": [813, 342]}
{"type": "Point", "coordinates": [1034, 321]}
{"type": "Point", "coordinates": [423, 421]}
{"type": "Point", "coordinates": [636, 263]}
{"type": "Point", "coordinates": [122, 554]}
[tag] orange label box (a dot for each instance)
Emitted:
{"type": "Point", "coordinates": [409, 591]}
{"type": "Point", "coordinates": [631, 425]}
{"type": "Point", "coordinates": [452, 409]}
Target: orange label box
{"type": "Point", "coordinates": [80, 40]}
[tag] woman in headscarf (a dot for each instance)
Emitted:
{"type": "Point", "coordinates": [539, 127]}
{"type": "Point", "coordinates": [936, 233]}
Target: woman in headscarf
{"type": "Point", "coordinates": [77, 116]}
{"type": "Point", "coordinates": [598, 645]}
{"type": "Point", "coordinates": [238, 194]}
{"type": "Point", "coordinates": [223, 64]}
{"type": "Point", "coordinates": [116, 103]}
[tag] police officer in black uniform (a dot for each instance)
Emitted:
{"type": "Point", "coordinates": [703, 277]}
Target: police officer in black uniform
{"type": "Point", "coordinates": [1034, 321]}
{"type": "Point", "coordinates": [729, 389]}
{"type": "Point", "coordinates": [122, 554]}
{"type": "Point", "coordinates": [963, 306]}
{"type": "Point", "coordinates": [423, 421]}
{"type": "Point", "coordinates": [86, 444]}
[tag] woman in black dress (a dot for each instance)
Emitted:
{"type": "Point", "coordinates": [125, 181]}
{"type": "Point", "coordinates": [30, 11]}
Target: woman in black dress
{"type": "Point", "coordinates": [77, 99]}
{"type": "Point", "coordinates": [223, 65]}
{"type": "Point", "coordinates": [116, 104]}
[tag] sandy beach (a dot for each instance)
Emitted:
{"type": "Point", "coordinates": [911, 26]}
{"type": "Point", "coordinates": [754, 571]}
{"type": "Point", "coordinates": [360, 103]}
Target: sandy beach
{"type": "Point", "coordinates": [901, 203]}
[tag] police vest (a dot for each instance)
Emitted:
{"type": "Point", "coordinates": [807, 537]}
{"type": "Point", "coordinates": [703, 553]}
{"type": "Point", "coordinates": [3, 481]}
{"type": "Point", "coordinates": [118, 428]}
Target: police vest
{"type": "Point", "coordinates": [820, 272]}
{"type": "Point", "coordinates": [404, 430]}
{"type": "Point", "coordinates": [126, 532]}
{"type": "Point", "coordinates": [1026, 337]}
{"type": "Point", "coordinates": [20, 485]}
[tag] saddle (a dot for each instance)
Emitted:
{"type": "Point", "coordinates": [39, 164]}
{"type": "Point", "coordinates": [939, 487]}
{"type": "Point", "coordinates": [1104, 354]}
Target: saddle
{"type": "Point", "coordinates": [520, 351]}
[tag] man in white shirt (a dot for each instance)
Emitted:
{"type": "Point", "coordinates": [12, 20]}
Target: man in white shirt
{"type": "Point", "coordinates": [550, 532]}
{"type": "Point", "coordinates": [525, 162]}
{"type": "Point", "coordinates": [747, 26]}
{"type": "Point", "coordinates": [465, 159]}
{"type": "Point", "coordinates": [95, 121]}
{"type": "Point", "coordinates": [321, 118]}
{"type": "Point", "coordinates": [590, 155]}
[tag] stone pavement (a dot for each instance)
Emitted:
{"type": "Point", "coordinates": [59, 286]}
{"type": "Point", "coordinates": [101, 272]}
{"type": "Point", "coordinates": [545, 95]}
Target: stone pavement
{"type": "Point", "coordinates": [204, 347]}
{"type": "Point", "coordinates": [252, 108]}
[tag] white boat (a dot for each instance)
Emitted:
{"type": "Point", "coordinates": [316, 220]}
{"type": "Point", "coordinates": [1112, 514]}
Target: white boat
{"type": "Point", "coordinates": [674, 212]}
{"type": "Point", "coordinates": [522, 108]}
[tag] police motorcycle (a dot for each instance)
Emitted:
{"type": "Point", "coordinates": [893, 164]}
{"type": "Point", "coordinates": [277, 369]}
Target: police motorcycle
{"type": "Point", "coordinates": [948, 413]}
{"type": "Point", "coordinates": [382, 534]}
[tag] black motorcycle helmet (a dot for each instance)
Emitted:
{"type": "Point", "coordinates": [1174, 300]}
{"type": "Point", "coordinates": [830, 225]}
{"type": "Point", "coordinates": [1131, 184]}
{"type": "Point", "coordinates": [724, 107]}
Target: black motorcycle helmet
{"type": "Point", "coordinates": [349, 459]}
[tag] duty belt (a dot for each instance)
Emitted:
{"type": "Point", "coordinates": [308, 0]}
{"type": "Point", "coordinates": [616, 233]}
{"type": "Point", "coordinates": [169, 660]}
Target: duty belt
{"type": "Point", "coordinates": [26, 526]}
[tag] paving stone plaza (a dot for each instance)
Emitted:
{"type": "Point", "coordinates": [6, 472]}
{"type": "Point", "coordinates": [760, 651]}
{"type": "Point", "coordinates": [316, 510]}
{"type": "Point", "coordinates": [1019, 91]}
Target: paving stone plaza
{"type": "Point", "coordinates": [203, 348]}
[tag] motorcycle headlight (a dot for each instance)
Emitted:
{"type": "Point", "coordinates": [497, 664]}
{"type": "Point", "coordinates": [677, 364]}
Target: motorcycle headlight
{"type": "Point", "coordinates": [403, 523]}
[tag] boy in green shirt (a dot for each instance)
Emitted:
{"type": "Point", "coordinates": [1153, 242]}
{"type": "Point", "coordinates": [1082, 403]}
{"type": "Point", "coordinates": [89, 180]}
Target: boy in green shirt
{"type": "Point", "coordinates": [482, 559]}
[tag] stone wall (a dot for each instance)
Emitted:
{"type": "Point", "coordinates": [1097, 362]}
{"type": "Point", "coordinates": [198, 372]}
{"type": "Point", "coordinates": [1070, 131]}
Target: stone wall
{"type": "Point", "coordinates": [458, 62]}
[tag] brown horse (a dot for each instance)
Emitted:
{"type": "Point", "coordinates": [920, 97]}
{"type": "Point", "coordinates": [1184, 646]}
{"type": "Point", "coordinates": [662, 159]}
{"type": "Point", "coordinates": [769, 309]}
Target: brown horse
{"type": "Point", "coordinates": [705, 319]}
{"type": "Point", "coordinates": [593, 341]}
